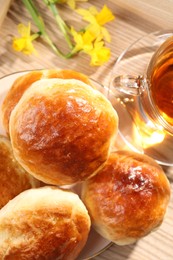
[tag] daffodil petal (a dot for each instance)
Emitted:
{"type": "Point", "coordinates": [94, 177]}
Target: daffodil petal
{"type": "Point", "coordinates": [104, 16]}
{"type": "Point", "coordinates": [94, 29]}
{"type": "Point", "coordinates": [23, 30]}
{"type": "Point", "coordinates": [29, 48]}
{"type": "Point", "coordinates": [88, 37]}
{"type": "Point", "coordinates": [99, 54]}
{"type": "Point", "coordinates": [18, 44]}
{"type": "Point", "coordinates": [106, 34]}
{"type": "Point", "coordinates": [86, 15]}
{"type": "Point", "coordinates": [99, 57]}
{"type": "Point", "coordinates": [77, 39]}
{"type": "Point", "coordinates": [93, 10]}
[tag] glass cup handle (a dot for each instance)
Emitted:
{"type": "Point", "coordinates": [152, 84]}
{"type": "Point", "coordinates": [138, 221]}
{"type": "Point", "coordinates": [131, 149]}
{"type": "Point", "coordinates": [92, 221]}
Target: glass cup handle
{"type": "Point", "coordinates": [129, 84]}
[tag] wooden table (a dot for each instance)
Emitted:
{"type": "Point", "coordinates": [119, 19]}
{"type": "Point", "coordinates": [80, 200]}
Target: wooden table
{"type": "Point", "coordinates": [134, 18]}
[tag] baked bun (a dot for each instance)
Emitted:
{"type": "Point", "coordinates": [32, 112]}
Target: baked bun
{"type": "Point", "coordinates": [62, 130]}
{"type": "Point", "coordinates": [43, 223]}
{"type": "Point", "coordinates": [128, 198]}
{"type": "Point", "coordinates": [25, 81]}
{"type": "Point", "coordinates": [13, 178]}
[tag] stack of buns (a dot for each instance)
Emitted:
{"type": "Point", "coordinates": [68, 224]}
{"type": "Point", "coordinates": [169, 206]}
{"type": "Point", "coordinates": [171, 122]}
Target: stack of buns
{"type": "Point", "coordinates": [62, 130]}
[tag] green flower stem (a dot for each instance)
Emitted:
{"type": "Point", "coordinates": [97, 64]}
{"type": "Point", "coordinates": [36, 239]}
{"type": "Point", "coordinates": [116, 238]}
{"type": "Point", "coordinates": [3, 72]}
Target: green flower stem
{"type": "Point", "coordinates": [35, 36]}
{"type": "Point", "coordinates": [40, 24]}
{"type": "Point", "coordinates": [62, 25]}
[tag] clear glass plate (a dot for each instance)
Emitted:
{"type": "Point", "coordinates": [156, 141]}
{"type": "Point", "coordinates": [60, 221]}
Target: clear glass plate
{"type": "Point", "coordinates": [143, 139]}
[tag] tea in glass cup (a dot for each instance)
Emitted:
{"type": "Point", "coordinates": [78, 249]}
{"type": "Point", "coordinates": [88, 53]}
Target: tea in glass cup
{"type": "Point", "coordinates": [147, 94]}
{"type": "Point", "coordinates": [160, 78]}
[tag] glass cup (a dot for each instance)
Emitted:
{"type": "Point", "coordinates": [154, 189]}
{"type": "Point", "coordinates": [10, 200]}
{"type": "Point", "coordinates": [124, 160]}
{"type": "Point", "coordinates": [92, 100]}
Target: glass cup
{"type": "Point", "coordinates": [142, 82]}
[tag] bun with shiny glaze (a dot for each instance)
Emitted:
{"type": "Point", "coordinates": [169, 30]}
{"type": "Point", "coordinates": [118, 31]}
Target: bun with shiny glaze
{"type": "Point", "coordinates": [128, 197]}
{"type": "Point", "coordinates": [62, 130]}
{"type": "Point", "coordinates": [22, 83]}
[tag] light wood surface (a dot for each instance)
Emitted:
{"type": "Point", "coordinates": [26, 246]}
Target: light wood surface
{"type": "Point", "coordinates": [134, 18]}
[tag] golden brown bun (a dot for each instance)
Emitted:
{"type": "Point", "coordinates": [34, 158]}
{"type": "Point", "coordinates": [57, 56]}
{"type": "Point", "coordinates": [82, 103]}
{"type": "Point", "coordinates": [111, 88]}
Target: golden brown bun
{"type": "Point", "coordinates": [61, 130]}
{"type": "Point", "coordinates": [44, 223]}
{"type": "Point", "coordinates": [128, 198]}
{"type": "Point", "coordinates": [24, 82]}
{"type": "Point", "coordinates": [13, 178]}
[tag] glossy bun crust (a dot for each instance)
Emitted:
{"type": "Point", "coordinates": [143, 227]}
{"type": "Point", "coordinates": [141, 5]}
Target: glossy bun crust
{"type": "Point", "coordinates": [43, 223]}
{"type": "Point", "coordinates": [62, 130]}
{"type": "Point", "coordinates": [128, 198]}
{"type": "Point", "coordinates": [13, 178]}
{"type": "Point", "coordinates": [25, 81]}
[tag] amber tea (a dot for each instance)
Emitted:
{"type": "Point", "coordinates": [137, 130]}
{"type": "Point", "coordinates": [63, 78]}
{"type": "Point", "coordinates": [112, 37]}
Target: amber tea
{"type": "Point", "coordinates": [161, 81]}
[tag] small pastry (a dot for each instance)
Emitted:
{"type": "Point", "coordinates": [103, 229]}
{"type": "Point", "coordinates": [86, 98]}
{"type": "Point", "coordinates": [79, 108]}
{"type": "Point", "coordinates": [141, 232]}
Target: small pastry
{"type": "Point", "coordinates": [128, 197]}
{"type": "Point", "coordinates": [62, 130]}
{"type": "Point", "coordinates": [25, 81]}
{"type": "Point", "coordinates": [44, 223]}
{"type": "Point", "coordinates": [13, 178]}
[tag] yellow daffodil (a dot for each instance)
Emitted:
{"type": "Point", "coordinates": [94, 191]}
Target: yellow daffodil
{"type": "Point", "coordinates": [94, 47]}
{"type": "Point", "coordinates": [97, 20]}
{"type": "Point", "coordinates": [90, 39]}
{"type": "Point", "coordinates": [24, 42]}
{"type": "Point", "coordinates": [104, 16]}
{"type": "Point", "coordinates": [83, 40]}
{"type": "Point", "coordinates": [99, 54]}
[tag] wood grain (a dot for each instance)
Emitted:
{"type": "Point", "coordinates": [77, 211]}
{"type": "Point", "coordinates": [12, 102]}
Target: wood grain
{"type": "Point", "coordinates": [134, 18]}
